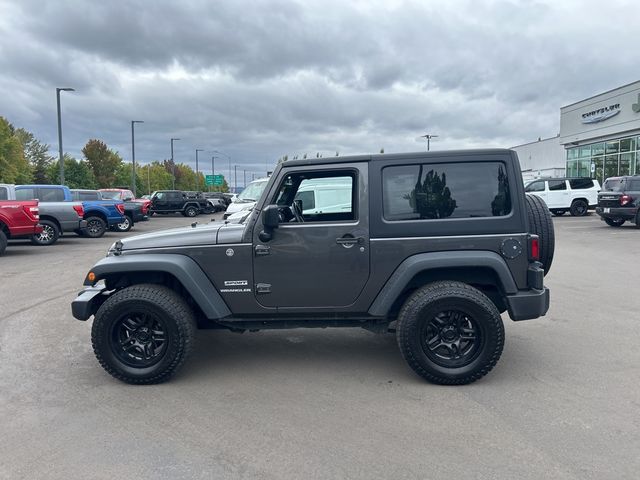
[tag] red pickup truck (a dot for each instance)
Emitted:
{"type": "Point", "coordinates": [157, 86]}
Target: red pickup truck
{"type": "Point", "coordinates": [18, 219]}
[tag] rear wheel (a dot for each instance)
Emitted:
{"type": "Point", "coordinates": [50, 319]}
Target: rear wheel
{"type": "Point", "coordinates": [96, 227]}
{"type": "Point", "coordinates": [125, 225]}
{"type": "Point", "coordinates": [450, 333]}
{"type": "Point", "coordinates": [614, 222]}
{"type": "Point", "coordinates": [3, 242]}
{"type": "Point", "coordinates": [49, 234]}
{"type": "Point", "coordinates": [558, 213]}
{"type": "Point", "coordinates": [143, 334]}
{"type": "Point", "coordinates": [190, 212]}
{"type": "Point", "coordinates": [541, 224]}
{"type": "Point", "coordinates": [579, 208]}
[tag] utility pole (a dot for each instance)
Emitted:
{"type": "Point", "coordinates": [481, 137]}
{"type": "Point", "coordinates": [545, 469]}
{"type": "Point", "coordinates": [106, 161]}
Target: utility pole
{"type": "Point", "coordinates": [213, 164]}
{"type": "Point", "coordinates": [173, 164]}
{"type": "Point", "coordinates": [61, 155]}
{"type": "Point", "coordinates": [244, 178]}
{"type": "Point", "coordinates": [235, 178]}
{"type": "Point", "coordinates": [428, 137]}
{"type": "Point", "coordinates": [197, 176]}
{"type": "Point", "coordinates": [133, 157]}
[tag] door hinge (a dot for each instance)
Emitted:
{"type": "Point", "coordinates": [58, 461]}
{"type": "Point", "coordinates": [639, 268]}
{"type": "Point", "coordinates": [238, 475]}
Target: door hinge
{"type": "Point", "coordinates": [262, 288]}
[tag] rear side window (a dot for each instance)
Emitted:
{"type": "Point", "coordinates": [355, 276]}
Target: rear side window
{"type": "Point", "coordinates": [4, 193]}
{"type": "Point", "coordinates": [446, 190]}
{"type": "Point", "coordinates": [88, 196]}
{"type": "Point", "coordinates": [580, 183]}
{"type": "Point", "coordinates": [50, 194]}
{"type": "Point", "coordinates": [535, 187]}
{"type": "Point", "coordinates": [25, 194]}
{"type": "Point", "coordinates": [555, 185]}
{"type": "Point", "coordinates": [634, 185]}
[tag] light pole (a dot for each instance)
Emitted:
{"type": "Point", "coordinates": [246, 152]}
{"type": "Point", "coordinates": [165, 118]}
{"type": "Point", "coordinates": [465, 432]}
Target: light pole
{"type": "Point", "coordinates": [173, 164]}
{"type": "Point", "coordinates": [133, 157]}
{"type": "Point", "coordinates": [221, 153]}
{"type": "Point", "coordinates": [197, 177]}
{"type": "Point", "coordinates": [213, 166]}
{"type": "Point", "coordinates": [428, 137]}
{"type": "Point", "coordinates": [60, 156]}
{"type": "Point", "coordinates": [235, 179]}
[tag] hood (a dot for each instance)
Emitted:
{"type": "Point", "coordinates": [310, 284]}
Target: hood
{"type": "Point", "coordinates": [240, 205]}
{"type": "Point", "coordinates": [201, 234]}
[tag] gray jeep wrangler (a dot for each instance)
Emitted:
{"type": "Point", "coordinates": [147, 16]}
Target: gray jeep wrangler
{"type": "Point", "coordinates": [434, 246]}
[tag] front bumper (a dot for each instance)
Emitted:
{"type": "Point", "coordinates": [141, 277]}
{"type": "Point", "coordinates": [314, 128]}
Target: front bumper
{"type": "Point", "coordinates": [617, 212]}
{"type": "Point", "coordinates": [528, 304]}
{"type": "Point", "coordinates": [87, 302]}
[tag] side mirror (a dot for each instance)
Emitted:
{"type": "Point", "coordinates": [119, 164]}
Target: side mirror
{"type": "Point", "coordinates": [270, 221]}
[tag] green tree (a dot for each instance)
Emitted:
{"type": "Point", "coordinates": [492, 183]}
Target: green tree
{"type": "Point", "coordinates": [156, 177]}
{"type": "Point", "coordinates": [77, 173]}
{"type": "Point", "coordinates": [37, 154]}
{"type": "Point", "coordinates": [14, 168]}
{"type": "Point", "coordinates": [104, 163]}
{"type": "Point", "coordinates": [123, 178]}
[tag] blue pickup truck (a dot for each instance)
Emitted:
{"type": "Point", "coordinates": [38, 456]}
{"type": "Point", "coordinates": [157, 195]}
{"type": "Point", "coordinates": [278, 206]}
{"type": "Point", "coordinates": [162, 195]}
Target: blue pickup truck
{"type": "Point", "coordinates": [98, 214]}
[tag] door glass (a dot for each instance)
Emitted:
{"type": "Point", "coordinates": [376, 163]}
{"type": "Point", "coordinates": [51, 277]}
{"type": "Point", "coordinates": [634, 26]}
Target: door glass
{"type": "Point", "coordinates": [25, 194]}
{"type": "Point", "coordinates": [555, 185]}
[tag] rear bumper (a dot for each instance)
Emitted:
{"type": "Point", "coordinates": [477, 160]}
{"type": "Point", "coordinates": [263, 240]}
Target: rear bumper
{"type": "Point", "coordinates": [617, 212]}
{"type": "Point", "coordinates": [528, 304]}
{"type": "Point", "coordinates": [87, 302]}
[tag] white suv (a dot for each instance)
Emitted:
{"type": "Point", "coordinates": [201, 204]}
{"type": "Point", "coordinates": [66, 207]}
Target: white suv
{"type": "Point", "coordinates": [562, 195]}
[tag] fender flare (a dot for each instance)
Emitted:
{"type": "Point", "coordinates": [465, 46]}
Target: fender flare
{"type": "Point", "coordinates": [415, 264]}
{"type": "Point", "coordinates": [185, 269]}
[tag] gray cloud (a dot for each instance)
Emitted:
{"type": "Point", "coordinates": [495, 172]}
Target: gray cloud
{"type": "Point", "coordinates": [261, 79]}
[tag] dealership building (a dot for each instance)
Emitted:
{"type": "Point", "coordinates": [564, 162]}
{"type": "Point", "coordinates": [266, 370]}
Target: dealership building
{"type": "Point", "coordinates": [599, 138]}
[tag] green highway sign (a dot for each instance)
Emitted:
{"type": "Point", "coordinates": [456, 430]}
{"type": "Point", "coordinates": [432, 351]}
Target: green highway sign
{"type": "Point", "coordinates": [215, 180]}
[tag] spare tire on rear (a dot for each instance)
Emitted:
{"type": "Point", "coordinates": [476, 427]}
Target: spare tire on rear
{"type": "Point", "coordinates": [541, 224]}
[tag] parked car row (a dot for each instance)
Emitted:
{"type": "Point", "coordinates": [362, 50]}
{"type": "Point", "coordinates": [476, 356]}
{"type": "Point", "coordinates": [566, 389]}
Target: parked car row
{"type": "Point", "coordinates": [44, 213]}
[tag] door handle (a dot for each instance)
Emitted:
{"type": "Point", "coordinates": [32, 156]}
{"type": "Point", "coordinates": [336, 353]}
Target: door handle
{"type": "Point", "coordinates": [349, 241]}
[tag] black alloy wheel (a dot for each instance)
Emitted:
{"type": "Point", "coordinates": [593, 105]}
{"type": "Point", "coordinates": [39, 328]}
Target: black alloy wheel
{"type": "Point", "coordinates": [451, 338]}
{"type": "Point", "coordinates": [614, 222]}
{"type": "Point", "coordinates": [139, 339]}
{"type": "Point", "coordinates": [191, 212]}
{"type": "Point", "coordinates": [579, 208]}
{"type": "Point", "coordinates": [95, 227]}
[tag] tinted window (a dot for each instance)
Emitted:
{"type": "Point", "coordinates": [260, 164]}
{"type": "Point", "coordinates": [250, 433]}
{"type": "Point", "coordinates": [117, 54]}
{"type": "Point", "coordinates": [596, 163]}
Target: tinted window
{"type": "Point", "coordinates": [88, 196]}
{"type": "Point", "coordinates": [613, 185]}
{"type": "Point", "coordinates": [580, 183]}
{"type": "Point", "coordinates": [535, 187]}
{"type": "Point", "coordinates": [634, 185]}
{"type": "Point", "coordinates": [555, 185]}
{"type": "Point", "coordinates": [50, 194]}
{"type": "Point", "coordinates": [4, 194]}
{"type": "Point", "coordinates": [25, 194]}
{"type": "Point", "coordinates": [449, 190]}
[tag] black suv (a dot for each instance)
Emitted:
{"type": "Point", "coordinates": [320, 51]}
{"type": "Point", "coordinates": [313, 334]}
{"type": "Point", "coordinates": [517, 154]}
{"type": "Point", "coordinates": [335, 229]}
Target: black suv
{"type": "Point", "coordinates": [190, 204]}
{"type": "Point", "coordinates": [432, 245]}
{"type": "Point", "coordinates": [619, 201]}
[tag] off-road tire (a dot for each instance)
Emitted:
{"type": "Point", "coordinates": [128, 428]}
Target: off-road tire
{"type": "Point", "coordinates": [614, 222]}
{"type": "Point", "coordinates": [424, 305]}
{"type": "Point", "coordinates": [96, 227]}
{"type": "Point", "coordinates": [3, 242]}
{"type": "Point", "coordinates": [579, 208]}
{"type": "Point", "coordinates": [541, 224]}
{"type": "Point", "coordinates": [191, 212]}
{"type": "Point", "coordinates": [49, 236]}
{"type": "Point", "coordinates": [155, 300]}
{"type": "Point", "coordinates": [124, 226]}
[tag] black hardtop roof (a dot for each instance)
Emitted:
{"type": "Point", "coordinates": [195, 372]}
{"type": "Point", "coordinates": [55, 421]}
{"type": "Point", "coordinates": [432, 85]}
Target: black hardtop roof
{"type": "Point", "coordinates": [391, 157]}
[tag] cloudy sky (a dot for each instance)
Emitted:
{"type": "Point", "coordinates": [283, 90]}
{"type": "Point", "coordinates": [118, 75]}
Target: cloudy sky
{"type": "Point", "coordinates": [260, 79]}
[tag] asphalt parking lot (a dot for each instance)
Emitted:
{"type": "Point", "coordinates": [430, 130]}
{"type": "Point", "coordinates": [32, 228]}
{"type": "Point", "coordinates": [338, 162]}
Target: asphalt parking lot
{"type": "Point", "coordinates": [563, 401]}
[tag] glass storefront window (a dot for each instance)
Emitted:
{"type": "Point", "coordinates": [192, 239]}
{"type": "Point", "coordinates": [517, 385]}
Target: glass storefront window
{"type": "Point", "coordinates": [572, 168]}
{"type": "Point", "coordinates": [572, 153]}
{"type": "Point", "coordinates": [627, 145]}
{"type": "Point", "coordinates": [584, 168]}
{"type": "Point", "coordinates": [625, 164]}
{"type": "Point", "coordinates": [598, 161]}
{"type": "Point", "coordinates": [612, 147]}
{"type": "Point", "coordinates": [597, 149]}
{"type": "Point", "coordinates": [584, 151]}
{"type": "Point", "coordinates": [610, 166]}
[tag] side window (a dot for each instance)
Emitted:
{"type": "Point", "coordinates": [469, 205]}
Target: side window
{"type": "Point", "coordinates": [25, 194]}
{"type": "Point", "coordinates": [128, 195]}
{"type": "Point", "coordinates": [445, 190]}
{"type": "Point", "coordinates": [535, 187]}
{"type": "Point", "coordinates": [634, 186]}
{"type": "Point", "coordinates": [50, 194]}
{"type": "Point", "coordinates": [580, 183]}
{"type": "Point", "coordinates": [89, 196]}
{"type": "Point", "coordinates": [555, 185]}
{"type": "Point", "coordinates": [75, 196]}
{"type": "Point", "coordinates": [4, 193]}
{"type": "Point", "coordinates": [325, 196]}
{"type": "Point", "coordinates": [161, 196]}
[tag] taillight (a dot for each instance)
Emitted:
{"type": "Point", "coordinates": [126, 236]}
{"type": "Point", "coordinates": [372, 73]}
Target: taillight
{"type": "Point", "coordinates": [120, 207]}
{"type": "Point", "coordinates": [534, 247]}
{"type": "Point", "coordinates": [624, 199]}
{"type": "Point", "coordinates": [79, 210]}
{"type": "Point", "coordinates": [32, 212]}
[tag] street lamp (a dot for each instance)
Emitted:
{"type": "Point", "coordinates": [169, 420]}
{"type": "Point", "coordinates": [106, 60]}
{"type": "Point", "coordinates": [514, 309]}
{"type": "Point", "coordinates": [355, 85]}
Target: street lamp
{"type": "Point", "coordinates": [213, 165]}
{"type": "Point", "coordinates": [173, 164]}
{"type": "Point", "coordinates": [133, 157]}
{"type": "Point", "coordinates": [60, 156]}
{"type": "Point", "coordinates": [197, 178]}
{"type": "Point", "coordinates": [428, 137]}
{"type": "Point", "coordinates": [221, 153]}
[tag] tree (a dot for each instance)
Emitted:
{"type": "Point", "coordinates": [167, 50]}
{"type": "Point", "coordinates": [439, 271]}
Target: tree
{"type": "Point", "coordinates": [123, 178]}
{"type": "Point", "coordinates": [104, 163]}
{"type": "Point", "coordinates": [77, 174]}
{"type": "Point", "coordinates": [37, 154]}
{"type": "Point", "coordinates": [14, 168]}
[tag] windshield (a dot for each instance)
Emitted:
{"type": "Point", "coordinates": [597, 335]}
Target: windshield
{"type": "Point", "coordinates": [253, 191]}
{"type": "Point", "coordinates": [613, 185]}
{"type": "Point", "coordinates": [110, 195]}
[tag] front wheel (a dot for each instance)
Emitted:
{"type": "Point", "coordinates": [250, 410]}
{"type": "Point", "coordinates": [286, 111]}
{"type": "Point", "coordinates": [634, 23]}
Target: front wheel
{"type": "Point", "coordinates": [450, 333]}
{"type": "Point", "coordinates": [49, 234]}
{"type": "Point", "coordinates": [3, 242]}
{"type": "Point", "coordinates": [143, 334]}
